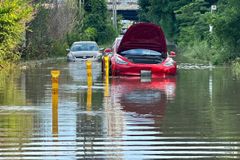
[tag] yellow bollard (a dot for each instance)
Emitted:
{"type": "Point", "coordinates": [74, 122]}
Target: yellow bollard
{"type": "Point", "coordinates": [106, 60]}
{"type": "Point", "coordinates": [55, 74]}
{"type": "Point", "coordinates": [89, 72]}
{"type": "Point", "coordinates": [89, 98]}
{"type": "Point", "coordinates": [106, 88]}
{"type": "Point", "coordinates": [89, 83]}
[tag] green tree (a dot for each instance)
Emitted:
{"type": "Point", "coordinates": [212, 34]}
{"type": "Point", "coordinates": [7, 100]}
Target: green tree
{"type": "Point", "coordinates": [48, 29]}
{"type": "Point", "coordinates": [94, 24]}
{"type": "Point", "coordinates": [226, 24]}
{"type": "Point", "coordinates": [192, 22]}
{"type": "Point", "coordinates": [161, 13]}
{"type": "Point", "coordinates": [144, 10]}
{"type": "Point", "coordinates": [14, 15]}
{"type": "Point", "coordinates": [96, 16]}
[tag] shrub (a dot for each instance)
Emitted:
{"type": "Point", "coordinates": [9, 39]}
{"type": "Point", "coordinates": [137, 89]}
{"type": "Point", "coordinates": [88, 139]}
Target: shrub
{"type": "Point", "coordinates": [14, 14]}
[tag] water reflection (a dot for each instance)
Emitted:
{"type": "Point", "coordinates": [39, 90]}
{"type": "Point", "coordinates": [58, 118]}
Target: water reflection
{"type": "Point", "coordinates": [132, 109]}
{"type": "Point", "coordinates": [78, 71]}
{"type": "Point", "coordinates": [10, 93]}
{"type": "Point", "coordinates": [55, 115]}
{"type": "Point", "coordinates": [143, 97]}
{"type": "Point", "coordinates": [89, 98]}
{"type": "Point", "coordinates": [190, 116]}
{"type": "Point", "coordinates": [55, 76]}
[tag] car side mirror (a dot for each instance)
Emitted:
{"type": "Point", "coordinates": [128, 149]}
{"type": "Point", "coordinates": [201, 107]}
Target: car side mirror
{"type": "Point", "coordinates": [67, 49]}
{"type": "Point", "coordinates": [107, 51]}
{"type": "Point", "coordinates": [172, 54]}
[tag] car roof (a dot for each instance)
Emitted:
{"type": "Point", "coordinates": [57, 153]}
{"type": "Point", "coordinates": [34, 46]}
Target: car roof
{"type": "Point", "coordinates": [79, 42]}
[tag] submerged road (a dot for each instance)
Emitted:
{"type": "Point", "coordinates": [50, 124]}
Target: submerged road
{"type": "Point", "coordinates": [193, 115]}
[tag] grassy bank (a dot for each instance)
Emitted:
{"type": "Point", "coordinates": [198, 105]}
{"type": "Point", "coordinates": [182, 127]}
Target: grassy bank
{"type": "Point", "coordinates": [202, 51]}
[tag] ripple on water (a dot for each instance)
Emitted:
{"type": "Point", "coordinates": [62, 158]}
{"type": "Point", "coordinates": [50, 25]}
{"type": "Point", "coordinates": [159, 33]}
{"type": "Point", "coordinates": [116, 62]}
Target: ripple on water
{"type": "Point", "coordinates": [135, 121]}
{"type": "Point", "coordinates": [191, 66]}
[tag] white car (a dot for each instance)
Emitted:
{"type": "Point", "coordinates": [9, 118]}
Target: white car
{"type": "Point", "coordinates": [83, 50]}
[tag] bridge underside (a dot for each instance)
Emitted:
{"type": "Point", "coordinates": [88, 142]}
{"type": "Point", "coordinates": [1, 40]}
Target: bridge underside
{"type": "Point", "coordinates": [128, 14]}
{"type": "Point", "coordinates": [129, 11]}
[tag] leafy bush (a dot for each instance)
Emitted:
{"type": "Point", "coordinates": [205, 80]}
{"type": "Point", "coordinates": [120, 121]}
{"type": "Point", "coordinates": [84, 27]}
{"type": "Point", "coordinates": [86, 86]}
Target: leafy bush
{"type": "Point", "coordinates": [90, 34]}
{"type": "Point", "coordinates": [96, 17]}
{"type": "Point", "coordinates": [14, 14]}
{"type": "Point", "coordinates": [55, 29]}
{"type": "Point", "coordinates": [226, 24]}
{"type": "Point", "coordinates": [206, 52]}
{"type": "Point", "coordinates": [107, 36]}
{"type": "Point", "coordinates": [199, 50]}
{"type": "Point", "coordinates": [59, 48]}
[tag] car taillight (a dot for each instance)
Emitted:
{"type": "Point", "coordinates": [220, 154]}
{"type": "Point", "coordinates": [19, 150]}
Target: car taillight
{"type": "Point", "coordinates": [120, 61]}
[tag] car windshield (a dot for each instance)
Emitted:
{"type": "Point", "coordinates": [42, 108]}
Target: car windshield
{"type": "Point", "coordinates": [141, 52]}
{"type": "Point", "coordinates": [84, 47]}
{"type": "Point", "coordinates": [116, 44]}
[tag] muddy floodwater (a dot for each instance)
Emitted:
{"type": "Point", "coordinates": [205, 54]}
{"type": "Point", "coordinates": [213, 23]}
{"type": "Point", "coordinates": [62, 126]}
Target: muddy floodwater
{"type": "Point", "coordinates": [193, 115]}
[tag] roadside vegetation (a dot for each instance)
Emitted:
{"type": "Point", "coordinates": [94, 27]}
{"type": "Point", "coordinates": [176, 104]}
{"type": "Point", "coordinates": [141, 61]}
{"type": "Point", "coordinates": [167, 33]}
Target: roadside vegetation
{"type": "Point", "coordinates": [236, 67]}
{"type": "Point", "coordinates": [58, 24]}
{"type": "Point", "coordinates": [187, 23]}
{"type": "Point", "coordinates": [31, 29]}
{"type": "Point", "coordinates": [14, 14]}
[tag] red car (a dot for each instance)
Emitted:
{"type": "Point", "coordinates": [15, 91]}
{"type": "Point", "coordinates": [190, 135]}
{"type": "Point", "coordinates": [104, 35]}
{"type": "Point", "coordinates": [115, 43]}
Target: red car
{"type": "Point", "coordinates": [142, 50]}
{"type": "Point", "coordinates": [143, 97]}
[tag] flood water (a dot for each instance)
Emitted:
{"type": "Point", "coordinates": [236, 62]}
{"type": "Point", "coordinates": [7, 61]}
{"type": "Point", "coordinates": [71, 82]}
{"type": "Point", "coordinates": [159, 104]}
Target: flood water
{"type": "Point", "coordinates": [193, 115]}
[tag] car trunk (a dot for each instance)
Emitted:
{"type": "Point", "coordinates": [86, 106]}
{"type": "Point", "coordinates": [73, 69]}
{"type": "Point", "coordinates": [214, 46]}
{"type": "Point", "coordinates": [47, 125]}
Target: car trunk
{"type": "Point", "coordinates": [144, 36]}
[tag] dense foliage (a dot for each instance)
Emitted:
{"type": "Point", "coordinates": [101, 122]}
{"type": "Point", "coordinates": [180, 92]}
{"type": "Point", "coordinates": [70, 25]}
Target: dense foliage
{"type": "Point", "coordinates": [47, 31]}
{"type": "Point", "coordinates": [14, 14]}
{"type": "Point", "coordinates": [226, 24]}
{"type": "Point", "coordinates": [52, 26]}
{"type": "Point", "coordinates": [187, 23]}
{"type": "Point", "coordinates": [55, 28]}
{"type": "Point", "coordinates": [95, 23]}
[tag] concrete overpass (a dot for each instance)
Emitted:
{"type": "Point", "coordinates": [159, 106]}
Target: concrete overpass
{"type": "Point", "coordinates": [128, 10]}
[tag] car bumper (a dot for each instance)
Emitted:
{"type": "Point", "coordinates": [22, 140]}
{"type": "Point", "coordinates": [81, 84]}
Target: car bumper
{"type": "Point", "coordinates": [137, 70]}
{"type": "Point", "coordinates": [71, 58]}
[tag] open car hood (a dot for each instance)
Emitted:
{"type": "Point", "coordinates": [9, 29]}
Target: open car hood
{"type": "Point", "coordinates": [144, 36]}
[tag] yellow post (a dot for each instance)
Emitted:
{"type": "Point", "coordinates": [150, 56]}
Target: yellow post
{"type": "Point", "coordinates": [106, 88]}
{"type": "Point", "coordinates": [89, 72]}
{"type": "Point", "coordinates": [55, 74]}
{"type": "Point", "coordinates": [89, 98]}
{"type": "Point", "coordinates": [89, 83]}
{"type": "Point", "coordinates": [106, 60]}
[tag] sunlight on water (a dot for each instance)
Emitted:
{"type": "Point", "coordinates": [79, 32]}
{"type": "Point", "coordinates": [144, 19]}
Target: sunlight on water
{"type": "Point", "coordinates": [193, 115]}
{"type": "Point", "coordinates": [195, 66]}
